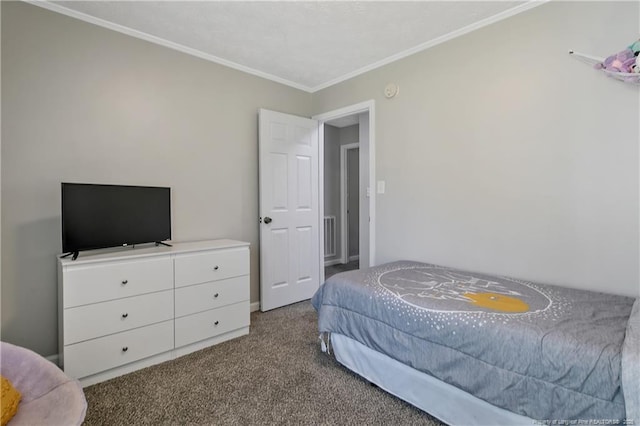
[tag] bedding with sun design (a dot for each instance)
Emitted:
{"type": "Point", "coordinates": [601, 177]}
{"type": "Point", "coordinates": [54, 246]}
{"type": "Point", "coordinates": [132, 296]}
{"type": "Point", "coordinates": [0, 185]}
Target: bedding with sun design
{"type": "Point", "coordinates": [491, 336]}
{"type": "Point", "coordinates": [435, 288]}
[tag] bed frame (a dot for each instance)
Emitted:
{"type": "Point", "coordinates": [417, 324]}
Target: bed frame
{"type": "Point", "coordinates": [441, 400]}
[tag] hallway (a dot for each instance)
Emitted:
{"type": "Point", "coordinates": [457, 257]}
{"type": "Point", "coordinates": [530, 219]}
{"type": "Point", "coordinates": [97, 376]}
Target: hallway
{"type": "Point", "coordinates": [340, 267]}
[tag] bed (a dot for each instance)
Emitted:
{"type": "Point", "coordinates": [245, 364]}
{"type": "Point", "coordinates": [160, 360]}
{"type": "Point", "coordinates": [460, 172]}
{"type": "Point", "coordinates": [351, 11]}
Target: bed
{"type": "Point", "coordinates": [470, 348]}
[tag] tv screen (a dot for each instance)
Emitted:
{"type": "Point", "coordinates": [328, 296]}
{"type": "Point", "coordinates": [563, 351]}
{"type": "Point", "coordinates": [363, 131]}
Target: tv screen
{"type": "Point", "coordinates": [99, 216]}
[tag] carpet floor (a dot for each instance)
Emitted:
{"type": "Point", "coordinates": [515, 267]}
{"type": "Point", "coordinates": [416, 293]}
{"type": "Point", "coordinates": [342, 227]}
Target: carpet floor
{"type": "Point", "coordinates": [340, 267]}
{"type": "Point", "coordinates": [274, 375]}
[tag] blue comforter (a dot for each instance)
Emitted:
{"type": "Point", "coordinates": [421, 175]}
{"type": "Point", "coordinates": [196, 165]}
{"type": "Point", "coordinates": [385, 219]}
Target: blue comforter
{"type": "Point", "coordinates": [541, 351]}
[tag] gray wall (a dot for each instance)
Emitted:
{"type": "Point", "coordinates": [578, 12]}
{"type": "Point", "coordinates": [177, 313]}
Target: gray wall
{"type": "Point", "coordinates": [503, 154]}
{"type": "Point", "coordinates": [349, 135]}
{"type": "Point", "coordinates": [332, 180]}
{"type": "Point", "coordinates": [84, 104]}
{"type": "Point", "coordinates": [334, 138]}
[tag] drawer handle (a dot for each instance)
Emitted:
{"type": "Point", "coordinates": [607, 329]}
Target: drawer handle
{"type": "Point", "coordinates": [215, 296]}
{"type": "Point", "coordinates": [216, 323]}
{"type": "Point", "coordinates": [124, 282]}
{"type": "Point", "coordinates": [126, 348]}
{"type": "Point", "coordinates": [215, 268]}
{"type": "Point", "coordinates": [125, 315]}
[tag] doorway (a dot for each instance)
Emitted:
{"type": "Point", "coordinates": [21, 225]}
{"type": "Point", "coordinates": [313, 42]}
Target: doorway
{"type": "Point", "coordinates": [341, 194]}
{"type": "Point", "coordinates": [360, 119]}
{"type": "Point", "coordinates": [350, 203]}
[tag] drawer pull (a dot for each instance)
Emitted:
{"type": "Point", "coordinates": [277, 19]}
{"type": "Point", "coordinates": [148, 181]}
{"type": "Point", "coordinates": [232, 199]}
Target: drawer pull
{"type": "Point", "coordinates": [216, 323]}
{"type": "Point", "coordinates": [125, 315]}
{"type": "Point", "coordinates": [124, 282]}
{"type": "Point", "coordinates": [215, 296]}
{"type": "Point", "coordinates": [215, 268]}
{"type": "Point", "coordinates": [126, 348]}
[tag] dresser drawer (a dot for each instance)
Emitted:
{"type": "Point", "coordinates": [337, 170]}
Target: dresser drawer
{"type": "Point", "coordinates": [99, 319]}
{"type": "Point", "coordinates": [201, 297]}
{"type": "Point", "coordinates": [212, 266]}
{"type": "Point", "coordinates": [204, 325]}
{"type": "Point", "coordinates": [97, 355]}
{"type": "Point", "coordinates": [99, 283]}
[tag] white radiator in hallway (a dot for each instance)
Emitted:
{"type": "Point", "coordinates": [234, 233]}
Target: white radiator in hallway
{"type": "Point", "coordinates": [329, 236]}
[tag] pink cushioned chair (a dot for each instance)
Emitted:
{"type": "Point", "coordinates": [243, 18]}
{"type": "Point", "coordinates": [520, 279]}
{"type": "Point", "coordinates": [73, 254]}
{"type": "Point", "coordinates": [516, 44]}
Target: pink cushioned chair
{"type": "Point", "coordinates": [49, 397]}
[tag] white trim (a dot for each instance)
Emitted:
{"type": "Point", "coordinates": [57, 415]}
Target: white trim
{"type": "Point", "coordinates": [372, 183]}
{"type": "Point", "coordinates": [344, 226]}
{"type": "Point", "coordinates": [431, 43]}
{"type": "Point", "coordinates": [46, 4]}
{"type": "Point", "coordinates": [345, 111]}
{"type": "Point", "coordinates": [354, 257]}
{"type": "Point", "coordinates": [321, 191]}
{"type": "Point", "coordinates": [55, 358]}
{"type": "Point", "coordinates": [255, 306]}
{"type": "Point", "coordinates": [366, 106]}
{"type": "Point", "coordinates": [332, 262]}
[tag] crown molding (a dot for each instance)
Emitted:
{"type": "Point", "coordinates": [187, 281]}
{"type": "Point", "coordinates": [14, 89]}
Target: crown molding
{"type": "Point", "coordinates": [431, 43]}
{"type": "Point", "coordinates": [46, 4]}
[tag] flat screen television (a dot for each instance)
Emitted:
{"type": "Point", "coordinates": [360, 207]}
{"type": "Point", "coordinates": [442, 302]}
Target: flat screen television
{"type": "Point", "coordinates": [99, 216]}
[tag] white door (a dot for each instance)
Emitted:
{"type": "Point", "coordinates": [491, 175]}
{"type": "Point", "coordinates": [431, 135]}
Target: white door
{"type": "Point", "coordinates": [289, 211]}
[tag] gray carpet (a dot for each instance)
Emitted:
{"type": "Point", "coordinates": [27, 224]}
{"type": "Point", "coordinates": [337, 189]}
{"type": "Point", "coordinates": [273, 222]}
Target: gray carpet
{"type": "Point", "coordinates": [341, 267]}
{"type": "Point", "coordinates": [274, 375]}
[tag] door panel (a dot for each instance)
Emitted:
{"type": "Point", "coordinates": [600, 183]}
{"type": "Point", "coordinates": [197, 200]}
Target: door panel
{"type": "Point", "coordinates": [289, 237]}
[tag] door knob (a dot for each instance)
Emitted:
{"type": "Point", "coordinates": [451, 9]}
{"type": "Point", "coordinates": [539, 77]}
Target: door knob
{"type": "Point", "coordinates": [267, 219]}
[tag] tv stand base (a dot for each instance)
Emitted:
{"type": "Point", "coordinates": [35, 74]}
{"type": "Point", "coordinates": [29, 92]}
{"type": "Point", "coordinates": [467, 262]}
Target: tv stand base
{"type": "Point", "coordinates": [74, 253]}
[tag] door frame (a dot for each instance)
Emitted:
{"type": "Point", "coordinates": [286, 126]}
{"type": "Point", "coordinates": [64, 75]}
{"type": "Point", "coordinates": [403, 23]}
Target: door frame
{"type": "Point", "coordinates": [344, 226]}
{"type": "Point", "coordinates": [362, 107]}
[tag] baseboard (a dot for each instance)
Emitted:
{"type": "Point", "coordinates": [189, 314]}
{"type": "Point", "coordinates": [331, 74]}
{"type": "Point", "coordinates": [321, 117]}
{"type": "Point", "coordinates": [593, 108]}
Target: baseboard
{"type": "Point", "coordinates": [339, 261]}
{"type": "Point", "coordinates": [332, 262]}
{"type": "Point", "coordinates": [255, 306]}
{"type": "Point", "coordinates": [55, 358]}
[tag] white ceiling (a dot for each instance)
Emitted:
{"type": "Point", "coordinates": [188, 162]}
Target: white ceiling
{"type": "Point", "coordinates": [308, 45]}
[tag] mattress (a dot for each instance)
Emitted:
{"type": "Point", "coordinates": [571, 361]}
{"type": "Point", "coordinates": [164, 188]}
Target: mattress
{"type": "Point", "coordinates": [539, 351]}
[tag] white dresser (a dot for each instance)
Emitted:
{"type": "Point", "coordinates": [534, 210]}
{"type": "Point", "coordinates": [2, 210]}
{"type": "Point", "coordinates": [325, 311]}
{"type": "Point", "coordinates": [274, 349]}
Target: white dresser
{"type": "Point", "coordinates": [123, 310]}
